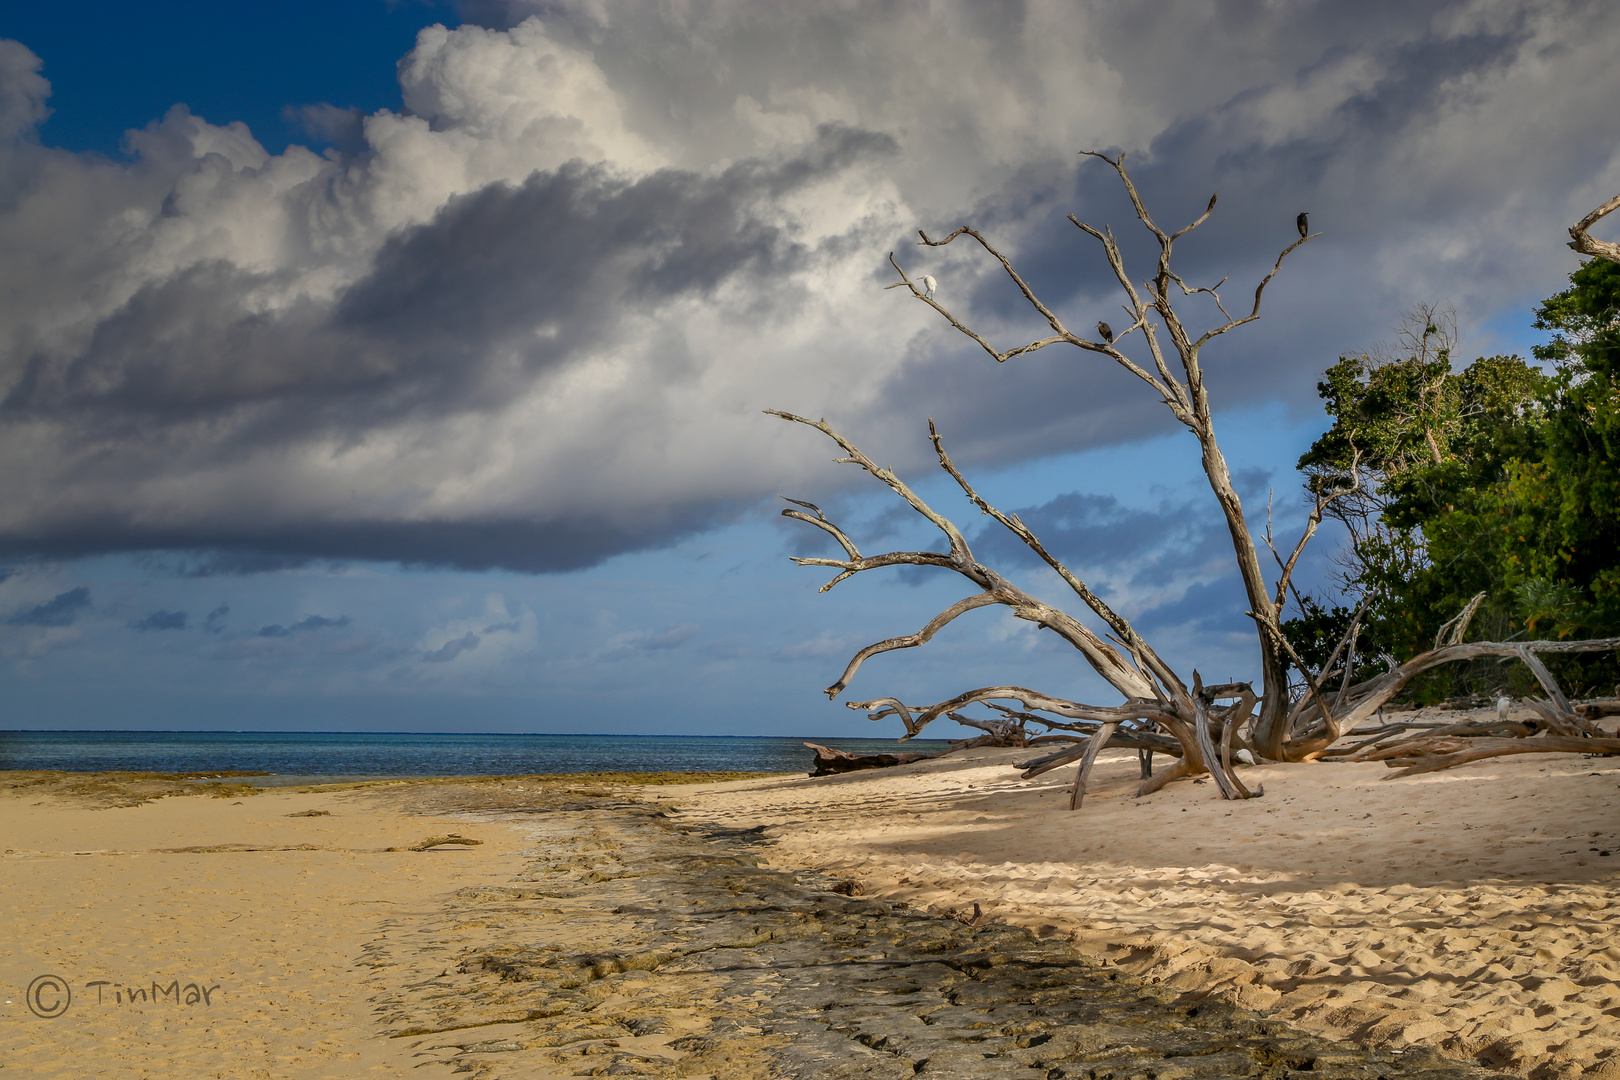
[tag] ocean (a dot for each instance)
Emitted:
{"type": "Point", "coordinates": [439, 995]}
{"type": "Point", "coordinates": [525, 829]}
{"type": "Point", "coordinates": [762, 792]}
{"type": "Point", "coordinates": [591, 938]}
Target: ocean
{"type": "Point", "coordinates": [298, 757]}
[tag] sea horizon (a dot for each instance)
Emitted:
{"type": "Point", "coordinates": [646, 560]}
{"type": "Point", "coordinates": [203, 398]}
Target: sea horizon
{"type": "Point", "coordinates": [284, 757]}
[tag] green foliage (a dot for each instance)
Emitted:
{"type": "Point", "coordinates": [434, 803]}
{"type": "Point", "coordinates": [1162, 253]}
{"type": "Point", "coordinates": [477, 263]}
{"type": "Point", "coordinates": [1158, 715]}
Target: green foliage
{"type": "Point", "coordinates": [1576, 494]}
{"type": "Point", "coordinates": [1498, 478]}
{"type": "Point", "coordinates": [1317, 631]}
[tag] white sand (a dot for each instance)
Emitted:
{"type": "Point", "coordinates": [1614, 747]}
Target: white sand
{"type": "Point", "coordinates": [1467, 910]}
{"type": "Point", "coordinates": [85, 896]}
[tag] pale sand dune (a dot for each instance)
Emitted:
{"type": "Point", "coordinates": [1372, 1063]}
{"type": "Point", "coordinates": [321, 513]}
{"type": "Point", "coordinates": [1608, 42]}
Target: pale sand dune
{"type": "Point", "coordinates": [1467, 910]}
{"type": "Point", "coordinates": [84, 896]}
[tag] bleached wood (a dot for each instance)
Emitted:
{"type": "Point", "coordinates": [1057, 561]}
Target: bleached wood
{"type": "Point", "coordinates": [1159, 711]}
{"type": "Point", "coordinates": [1583, 243]}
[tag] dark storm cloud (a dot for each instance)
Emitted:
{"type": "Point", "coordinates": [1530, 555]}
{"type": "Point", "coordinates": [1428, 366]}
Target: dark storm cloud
{"type": "Point", "coordinates": [1354, 132]}
{"type": "Point", "coordinates": [61, 610]}
{"type": "Point", "coordinates": [430, 332]}
{"type": "Point", "coordinates": [249, 546]}
{"type": "Point", "coordinates": [215, 622]}
{"type": "Point", "coordinates": [161, 620]}
{"type": "Point", "coordinates": [430, 328]}
{"type": "Point", "coordinates": [514, 324]}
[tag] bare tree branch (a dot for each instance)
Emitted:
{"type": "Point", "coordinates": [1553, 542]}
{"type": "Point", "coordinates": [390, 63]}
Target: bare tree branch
{"type": "Point", "coordinates": [1259, 291]}
{"type": "Point", "coordinates": [910, 641]}
{"type": "Point", "coordinates": [1094, 746]}
{"type": "Point", "coordinates": [1457, 625]}
{"type": "Point", "coordinates": [916, 718]}
{"type": "Point", "coordinates": [1139, 649]}
{"type": "Point", "coordinates": [1000, 357]}
{"type": "Point", "coordinates": [1102, 656]}
{"type": "Point", "coordinates": [1323, 502]}
{"type": "Point", "coordinates": [1581, 242]}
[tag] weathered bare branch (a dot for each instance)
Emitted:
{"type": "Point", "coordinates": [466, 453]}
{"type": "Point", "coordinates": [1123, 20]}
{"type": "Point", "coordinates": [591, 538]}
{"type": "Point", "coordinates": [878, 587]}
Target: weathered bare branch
{"type": "Point", "coordinates": [1447, 753]}
{"type": "Point", "coordinates": [1581, 242]}
{"type": "Point", "coordinates": [1139, 649]}
{"type": "Point", "coordinates": [1323, 500]}
{"type": "Point", "coordinates": [916, 718]}
{"type": "Point", "coordinates": [910, 641]}
{"type": "Point", "coordinates": [1259, 292]}
{"type": "Point", "coordinates": [1103, 657]}
{"type": "Point", "coordinates": [1349, 639]}
{"type": "Point", "coordinates": [1206, 742]}
{"type": "Point", "coordinates": [1554, 692]}
{"type": "Point", "coordinates": [1060, 331]}
{"type": "Point", "coordinates": [1094, 746]}
{"type": "Point", "coordinates": [1367, 698]}
{"type": "Point", "coordinates": [853, 455]}
{"type": "Point", "coordinates": [1000, 357]}
{"type": "Point", "coordinates": [1452, 630]}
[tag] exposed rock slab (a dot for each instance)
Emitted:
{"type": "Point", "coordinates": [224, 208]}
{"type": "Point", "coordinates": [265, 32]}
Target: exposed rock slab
{"type": "Point", "coordinates": [636, 947]}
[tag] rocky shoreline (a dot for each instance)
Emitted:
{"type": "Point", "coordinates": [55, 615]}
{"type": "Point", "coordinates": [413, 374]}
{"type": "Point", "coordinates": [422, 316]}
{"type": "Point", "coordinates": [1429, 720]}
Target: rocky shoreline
{"type": "Point", "coordinates": [639, 944]}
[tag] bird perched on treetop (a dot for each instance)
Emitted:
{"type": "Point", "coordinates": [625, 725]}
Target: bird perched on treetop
{"type": "Point", "coordinates": [1106, 331]}
{"type": "Point", "coordinates": [1304, 223]}
{"type": "Point", "coordinates": [928, 284]}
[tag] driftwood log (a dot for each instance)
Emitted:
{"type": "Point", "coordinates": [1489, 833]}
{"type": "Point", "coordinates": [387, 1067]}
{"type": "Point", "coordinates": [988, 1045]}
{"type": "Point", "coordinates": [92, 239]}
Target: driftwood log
{"type": "Point", "coordinates": [1201, 729]}
{"type": "Point", "coordinates": [830, 760]}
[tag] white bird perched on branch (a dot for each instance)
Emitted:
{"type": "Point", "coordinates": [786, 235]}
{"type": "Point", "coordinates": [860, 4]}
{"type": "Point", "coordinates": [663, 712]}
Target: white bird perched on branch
{"type": "Point", "coordinates": [928, 285]}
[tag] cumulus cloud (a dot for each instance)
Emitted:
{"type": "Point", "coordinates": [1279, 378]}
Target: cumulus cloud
{"type": "Point", "coordinates": [23, 90]}
{"type": "Point", "coordinates": [529, 320]}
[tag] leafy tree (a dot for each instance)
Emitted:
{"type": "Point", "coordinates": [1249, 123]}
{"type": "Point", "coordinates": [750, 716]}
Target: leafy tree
{"type": "Point", "coordinates": [1571, 498]}
{"type": "Point", "coordinates": [1497, 478]}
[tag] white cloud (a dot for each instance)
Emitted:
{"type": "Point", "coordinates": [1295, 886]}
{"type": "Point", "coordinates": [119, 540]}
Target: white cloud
{"type": "Point", "coordinates": [531, 319]}
{"type": "Point", "coordinates": [474, 646]}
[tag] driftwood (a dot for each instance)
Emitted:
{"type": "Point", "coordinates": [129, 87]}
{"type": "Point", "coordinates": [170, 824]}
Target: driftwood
{"type": "Point", "coordinates": [830, 760]}
{"type": "Point", "coordinates": [1581, 242]}
{"type": "Point", "coordinates": [438, 841]}
{"type": "Point", "coordinates": [1599, 708]}
{"type": "Point", "coordinates": [1160, 712]}
{"type": "Point", "coordinates": [1432, 754]}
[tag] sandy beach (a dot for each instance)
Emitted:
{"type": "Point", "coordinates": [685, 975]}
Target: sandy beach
{"type": "Point", "coordinates": [1473, 911]}
{"type": "Point", "coordinates": [270, 911]}
{"type": "Point", "coordinates": [1476, 911]}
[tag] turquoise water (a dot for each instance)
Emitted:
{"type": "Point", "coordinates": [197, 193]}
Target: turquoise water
{"type": "Point", "coordinates": [294, 756]}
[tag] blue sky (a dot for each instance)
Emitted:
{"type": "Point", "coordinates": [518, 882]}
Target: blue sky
{"type": "Point", "coordinates": [400, 366]}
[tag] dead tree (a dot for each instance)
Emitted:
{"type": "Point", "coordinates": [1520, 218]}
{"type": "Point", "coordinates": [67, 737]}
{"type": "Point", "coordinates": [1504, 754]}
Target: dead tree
{"type": "Point", "coordinates": [1161, 712]}
{"type": "Point", "coordinates": [1581, 242]}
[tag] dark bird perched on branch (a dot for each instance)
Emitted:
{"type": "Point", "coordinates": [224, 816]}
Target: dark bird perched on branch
{"type": "Point", "coordinates": [1106, 331]}
{"type": "Point", "coordinates": [1304, 223]}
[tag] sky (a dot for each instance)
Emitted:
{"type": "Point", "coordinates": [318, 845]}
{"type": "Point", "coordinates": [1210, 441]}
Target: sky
{"type": "Point", "coordinates": [402, 365]}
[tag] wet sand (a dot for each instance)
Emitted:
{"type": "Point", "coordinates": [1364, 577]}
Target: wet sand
{"type": "Point", "coordinates": [1470, 912]}
{"type": "Point", "coordinates": [1476, 911]}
